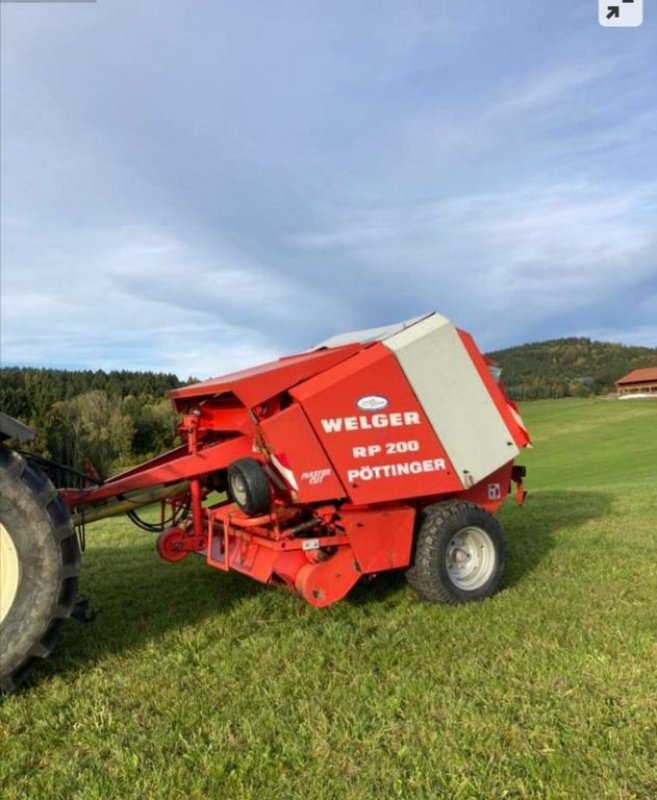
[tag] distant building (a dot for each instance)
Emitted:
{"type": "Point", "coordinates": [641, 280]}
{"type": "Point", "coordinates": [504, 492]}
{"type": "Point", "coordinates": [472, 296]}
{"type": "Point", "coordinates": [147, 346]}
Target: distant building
{"type": "Point", "coordinates": [639, 382]}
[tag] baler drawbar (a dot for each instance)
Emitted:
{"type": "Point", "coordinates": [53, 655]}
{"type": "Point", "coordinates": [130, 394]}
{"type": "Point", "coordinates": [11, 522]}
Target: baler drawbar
{"type": "Point", "coordinates": [376, 450]}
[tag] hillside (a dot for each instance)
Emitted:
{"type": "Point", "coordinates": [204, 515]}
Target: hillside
{"type": "Point", "coordinates": [574, 367]}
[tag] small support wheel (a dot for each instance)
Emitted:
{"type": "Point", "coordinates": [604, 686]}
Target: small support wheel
{"type": "Point", "coordinates": [170, 545]}
{"type": "Point", "coordinates": [460, 554]}
{"type": "Point", "coordinates": [249, 486]}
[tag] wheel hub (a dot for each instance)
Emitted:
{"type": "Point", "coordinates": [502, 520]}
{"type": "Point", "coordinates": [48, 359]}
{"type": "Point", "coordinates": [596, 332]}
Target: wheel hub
{"type": "Point", "coordinates": [170, 545]}
{"type": "Point", "coordinates": [10, 572]}
{"type": "Point", "coordinates": [239, 489]}
{"type": "Point", "coordinates": [470, 558]}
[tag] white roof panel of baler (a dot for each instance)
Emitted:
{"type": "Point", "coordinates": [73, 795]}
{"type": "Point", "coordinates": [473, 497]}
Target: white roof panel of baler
{"type": "Point", "coordinates": [369, 334]}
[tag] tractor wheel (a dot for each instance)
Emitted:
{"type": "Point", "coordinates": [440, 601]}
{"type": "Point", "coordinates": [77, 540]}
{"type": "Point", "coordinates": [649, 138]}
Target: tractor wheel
{"type": "Point", "coordinates": [460, 554]}
{"type": "Point", "coordinates": [249, 486]}
{"type": "Point", "coordinates": [39, 566]}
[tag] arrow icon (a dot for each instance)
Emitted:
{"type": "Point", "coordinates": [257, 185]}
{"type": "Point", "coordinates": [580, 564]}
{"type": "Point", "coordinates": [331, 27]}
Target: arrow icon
{"type": "Point", "coordinates": [618, 13]}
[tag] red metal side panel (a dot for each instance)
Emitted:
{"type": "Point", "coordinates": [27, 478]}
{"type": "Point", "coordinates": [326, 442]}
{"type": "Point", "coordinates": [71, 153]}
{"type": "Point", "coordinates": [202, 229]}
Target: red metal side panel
{"type": "Point", "coordinates": [224, 417]}
{"type": "Point", "coordinates": [300, 458]}
{"type": "Point", "coordinates": [491, 492]}
{"type": "Point", "coordinates": [380, 539]}
{"type": "Point", "coordinates": [374, 430]}
{"type": "Point", "coordinates": [254, 386]}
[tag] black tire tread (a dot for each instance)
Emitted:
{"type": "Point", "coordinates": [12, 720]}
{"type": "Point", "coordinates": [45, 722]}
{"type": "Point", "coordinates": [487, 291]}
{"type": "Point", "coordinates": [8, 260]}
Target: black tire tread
{"type": "Point", "coordinates": [423, 576]}
{"type": "Point", "coordinates": [259, 491]}
{"type": "Point", "coordinates": [46, 502]}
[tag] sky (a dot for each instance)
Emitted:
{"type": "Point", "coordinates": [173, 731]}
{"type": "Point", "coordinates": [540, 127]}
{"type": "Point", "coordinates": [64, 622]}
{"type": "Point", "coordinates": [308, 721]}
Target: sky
{"type": "Point", "coordinates": [195, 187]}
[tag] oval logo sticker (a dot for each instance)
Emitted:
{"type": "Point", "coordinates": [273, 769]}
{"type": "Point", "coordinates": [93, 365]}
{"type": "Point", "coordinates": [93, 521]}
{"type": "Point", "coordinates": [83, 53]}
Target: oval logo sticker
{"type": "Point", "coordinates": [372, 402]}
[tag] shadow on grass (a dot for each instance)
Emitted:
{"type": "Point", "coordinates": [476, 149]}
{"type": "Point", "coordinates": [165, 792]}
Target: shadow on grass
{"type": "Point", "coordinates": [530, 529]}
{"type": "Point", "coordinates": [140, 598]}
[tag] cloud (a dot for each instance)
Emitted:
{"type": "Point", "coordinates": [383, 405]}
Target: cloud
{"type": "Point", "coordinates": [548, 89]}
{"type": "Point", "coordinates": [139, 299]}
{"type": "Point", "coordinates": [245, 181]}
{"type": "Point", "coordinates": [514, 259]}
{"type": "Point", "coordinates": [496, 263]}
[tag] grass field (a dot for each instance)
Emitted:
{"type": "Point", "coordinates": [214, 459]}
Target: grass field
{"type": "Point", "coordinates": [196, 684]}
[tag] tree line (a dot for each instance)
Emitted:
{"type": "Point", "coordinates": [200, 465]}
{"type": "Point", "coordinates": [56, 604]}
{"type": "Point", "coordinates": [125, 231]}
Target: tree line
{"type": "Point", "coordinates": [113, 418]}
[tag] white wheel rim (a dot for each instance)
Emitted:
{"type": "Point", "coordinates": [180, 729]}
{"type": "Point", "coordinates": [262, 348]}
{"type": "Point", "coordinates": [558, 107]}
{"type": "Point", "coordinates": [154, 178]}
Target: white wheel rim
{"type": "Point", "coordinates": [10, 572]}
{"type": "Point", "coordinates": [470, 558]}
{"type": "Point", "coordinates": [238, 488]}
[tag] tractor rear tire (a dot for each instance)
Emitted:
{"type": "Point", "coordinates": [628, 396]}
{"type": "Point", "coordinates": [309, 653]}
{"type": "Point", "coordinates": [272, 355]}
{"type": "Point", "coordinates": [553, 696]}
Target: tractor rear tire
{"type": "Point", "coordinates": [39, 567]}
{"type": "Point", "coordinates": [460, 554]}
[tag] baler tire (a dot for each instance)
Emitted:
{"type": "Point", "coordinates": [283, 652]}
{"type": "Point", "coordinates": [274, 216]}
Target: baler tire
{"type": "Point", "coordinates": [41, 565]}
{"type": "Point", "coordinates": [255, 490]}
{"type": "Point", "coordinates": [440, 534]}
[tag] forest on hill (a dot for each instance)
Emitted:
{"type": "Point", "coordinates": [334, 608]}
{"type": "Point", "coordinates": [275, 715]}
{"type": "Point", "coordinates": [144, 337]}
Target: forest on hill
{"type": "Point", "coordinates": [114, 418]}
{"type": "Point", "coordinates": [575, 367]}
{"type": "Point", "coordinates": [120, 418]}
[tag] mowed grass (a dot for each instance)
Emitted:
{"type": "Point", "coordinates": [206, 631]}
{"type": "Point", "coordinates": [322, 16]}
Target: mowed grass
{"type": "Point", "coordinates": [196, 684]}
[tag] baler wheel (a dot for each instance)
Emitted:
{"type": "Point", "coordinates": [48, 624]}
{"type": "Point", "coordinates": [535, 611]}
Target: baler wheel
{"type": "Point", "coordinates": [249, 486]}
{"type": "Point", "coordinates": [39, 566]}
{"type": "Point", "coordinates": [460, 554]}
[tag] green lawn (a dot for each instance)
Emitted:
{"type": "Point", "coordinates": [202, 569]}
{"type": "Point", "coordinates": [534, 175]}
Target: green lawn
{"type": "Point", "coordinates": [599, 443]}
{"type": "Point", "coordinates": [196, 684]}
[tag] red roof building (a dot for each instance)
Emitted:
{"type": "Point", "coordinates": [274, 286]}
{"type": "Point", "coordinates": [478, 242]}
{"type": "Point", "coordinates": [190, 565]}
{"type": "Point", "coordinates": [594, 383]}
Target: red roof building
{"type": "Point", "coordinates": [639, 381]}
